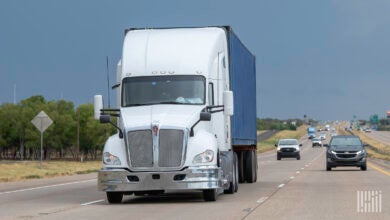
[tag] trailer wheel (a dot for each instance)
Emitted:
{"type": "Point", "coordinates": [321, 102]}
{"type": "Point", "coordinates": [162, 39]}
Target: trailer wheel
{"type": "Point", "coordinates": [210, 195]}
{"type": "Point", "coordinates": [114, 197]}
{"type": "Point", "coordinates": [237, 172]}
{"type": "Point", "coordinates": [241, 170]}
{"type": "Point", "coordinates": [251, 167]}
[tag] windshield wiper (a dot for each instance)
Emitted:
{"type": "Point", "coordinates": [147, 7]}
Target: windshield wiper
{"type": "Point", "coordinates": [171, 102]}
{"type": "Point", "coordinates": [129, 105]}
{"type": "Point", "coordinates": [155, 103]}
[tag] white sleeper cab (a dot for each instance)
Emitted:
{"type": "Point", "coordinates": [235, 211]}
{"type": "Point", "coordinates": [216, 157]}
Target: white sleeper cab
{"type": "Point", "coordinates": [186, 114]}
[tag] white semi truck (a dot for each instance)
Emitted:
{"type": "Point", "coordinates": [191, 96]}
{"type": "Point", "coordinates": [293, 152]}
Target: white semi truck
{"type": "Point", "coordinates": [186, 114]}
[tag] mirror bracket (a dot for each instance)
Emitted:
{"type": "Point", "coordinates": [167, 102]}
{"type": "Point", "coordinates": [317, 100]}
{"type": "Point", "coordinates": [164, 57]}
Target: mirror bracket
{"type": "Point", "coordinates": [107, 119]}
{"type": "Point", "coordinates": [204, 116]}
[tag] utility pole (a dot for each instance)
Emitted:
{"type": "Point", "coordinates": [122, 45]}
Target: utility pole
{"type": "Point", "coordinates": [78, 135]}
{"type": "Point", "coordinates": [108, 83]}
{"type": "Point", "coordinates": [14, 94]}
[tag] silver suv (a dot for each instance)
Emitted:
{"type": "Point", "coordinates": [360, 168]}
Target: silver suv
{"type": "Point", "coordinates": [288, 148]}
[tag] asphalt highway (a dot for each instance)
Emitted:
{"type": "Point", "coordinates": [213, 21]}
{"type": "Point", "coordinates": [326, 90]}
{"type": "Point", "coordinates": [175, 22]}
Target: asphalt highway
{"type": "Point", "coordinates": [286, 189]}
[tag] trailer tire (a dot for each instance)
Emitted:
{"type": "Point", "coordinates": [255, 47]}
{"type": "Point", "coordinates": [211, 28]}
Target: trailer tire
{"type": "Point", "coordinates": [210, 195]}
{"type": "Point", "coordinates": [237, 172]}
{"type": "Point", "coordinates": [241, 168]}
{"type": "Point", "coordinates": [251, 167]}
{"type": "Point", "coordinates": [114, 197]}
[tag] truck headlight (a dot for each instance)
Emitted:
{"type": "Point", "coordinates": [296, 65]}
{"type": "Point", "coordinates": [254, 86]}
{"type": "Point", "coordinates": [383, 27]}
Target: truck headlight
{"type": "Point", "coordinates": [333, 152]}
{"type": "Point", "coordinates": [110, 159]}
{"type": "Point", "coordinates": [204, 157]}
{"type": "Point", "coordinates": [278, 149]}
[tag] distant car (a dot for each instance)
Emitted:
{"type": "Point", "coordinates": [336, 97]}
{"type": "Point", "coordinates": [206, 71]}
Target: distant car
{"type": "Point", "coordinates": [317, 142]}
{"type": "Point", "coordinates": [323, 137]}
{"type": "Point", "coordinates": [368, 130]}
{"type": "Point", "coordinates": [346, 150]}
{"type": "Point", "coordinates": [288, 148]}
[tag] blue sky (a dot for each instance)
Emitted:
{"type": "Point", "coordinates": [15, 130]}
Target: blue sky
{"type": "Point", "coordinates": [327, 59]}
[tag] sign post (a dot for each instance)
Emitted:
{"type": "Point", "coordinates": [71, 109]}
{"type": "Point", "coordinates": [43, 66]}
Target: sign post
{"type": "Point", "coordinates": [41, 122]}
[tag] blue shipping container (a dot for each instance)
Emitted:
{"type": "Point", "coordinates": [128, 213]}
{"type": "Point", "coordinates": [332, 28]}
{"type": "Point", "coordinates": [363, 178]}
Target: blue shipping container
{"type": "Point", "coordinates": [242, 66]}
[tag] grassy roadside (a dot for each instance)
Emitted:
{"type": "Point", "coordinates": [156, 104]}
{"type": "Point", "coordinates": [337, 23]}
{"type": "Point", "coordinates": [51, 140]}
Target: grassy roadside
{"type": "Point", "coordinates": [19, 171]}
{"type": "Point", "coordinates": [259, 132]}
{"type": "Point", "coordinates": [269, 144]}
{"type": "Point", "coordinates": [376, 150]}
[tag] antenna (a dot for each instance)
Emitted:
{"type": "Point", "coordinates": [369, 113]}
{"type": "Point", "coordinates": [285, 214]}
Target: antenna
{"type": "Point", "coordinates": [14, 94]}
{"type": "Point", "coordinates": [108, 83]}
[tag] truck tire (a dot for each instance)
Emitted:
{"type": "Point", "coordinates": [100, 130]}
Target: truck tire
{"type": "Point", "coordinates": [233, 184]}
{"type": "Point", "coordinates": [255, 164]}
{"type": "Point", "coordinates": [210, 195]}
{"type": "Point", "coordinates": [241, 170]}
{"type": "Point", "coordinates": [250, 168]}
{"type": "Point", "coordinates": [237, 173]}
{"type": "Point", "coordinates": [114, 197]}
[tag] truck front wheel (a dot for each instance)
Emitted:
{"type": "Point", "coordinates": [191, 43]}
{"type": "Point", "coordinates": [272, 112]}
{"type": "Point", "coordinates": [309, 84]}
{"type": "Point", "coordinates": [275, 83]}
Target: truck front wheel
{"type": "Point", "coordinates": [114, 197]}
{"type": "Point", "coordinates": [233, 185]}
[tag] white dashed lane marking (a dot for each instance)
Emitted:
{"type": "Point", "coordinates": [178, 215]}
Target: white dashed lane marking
{"type": "Point", "coordinates": [93, 202]}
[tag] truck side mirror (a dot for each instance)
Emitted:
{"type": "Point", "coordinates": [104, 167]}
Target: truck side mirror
{"type": "Point", "coordinates": [205, 116]}
{"type": "Point", "coordinates": [300, 145]}
{"type": "Point", "coordinates": [276, 145]}
{"type": "Point", "coordinates": [228, 103]}
{"type": "Point", "coordinates": [104, 119]}
{"type": "Point", "coordinates": [97, 105]}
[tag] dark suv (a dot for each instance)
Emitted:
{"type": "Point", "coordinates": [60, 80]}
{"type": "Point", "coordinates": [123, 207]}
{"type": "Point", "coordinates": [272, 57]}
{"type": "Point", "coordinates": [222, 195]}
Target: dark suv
{"type": "Point", "coordinates": [346, 150]}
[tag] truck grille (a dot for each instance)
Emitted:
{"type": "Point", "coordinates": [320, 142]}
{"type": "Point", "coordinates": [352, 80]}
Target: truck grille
{"type": "Point", "coordinates": [169, 148]}
{"type": "Point", "coordinates": [141, 148]}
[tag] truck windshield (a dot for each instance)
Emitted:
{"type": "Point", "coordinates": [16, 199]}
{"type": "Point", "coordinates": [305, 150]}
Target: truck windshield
{"type": "Point", "coordinates": [152, 90]}
{"type": "Point", "coordinates": [288, 142]}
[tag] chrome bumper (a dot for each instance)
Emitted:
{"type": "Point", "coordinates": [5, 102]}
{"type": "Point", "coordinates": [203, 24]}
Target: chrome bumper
{"type": "Point", "coordinates": [120, 180]}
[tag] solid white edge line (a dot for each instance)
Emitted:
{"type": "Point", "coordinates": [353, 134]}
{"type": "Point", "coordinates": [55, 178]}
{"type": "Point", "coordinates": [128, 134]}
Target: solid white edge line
{"type": "Point", "coordinates": [281, 185]}
{"type": "Point", "coordinates": [89, 203]}
{"type": "Point", "coordinates": [48, 186]}
{"type": "Point", "coordinates": [292, 177]}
